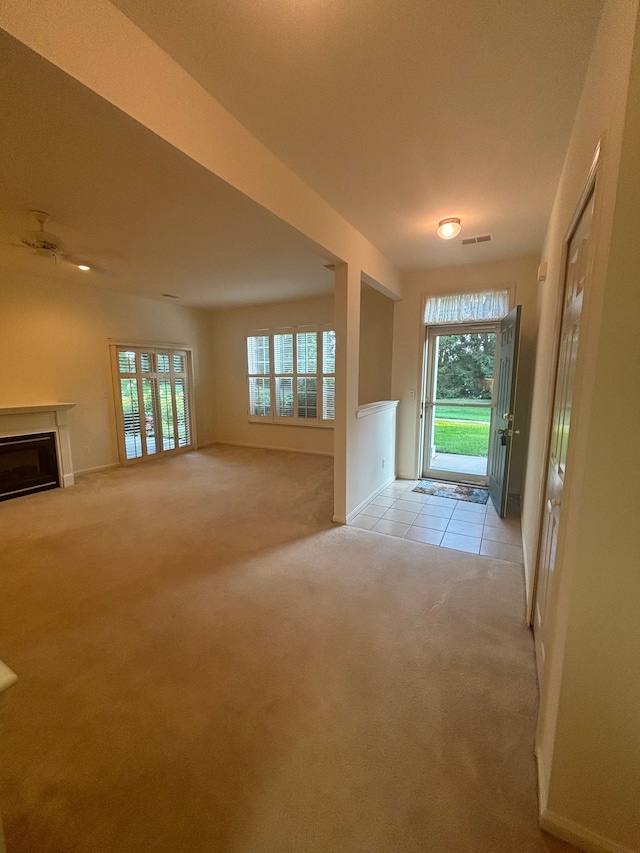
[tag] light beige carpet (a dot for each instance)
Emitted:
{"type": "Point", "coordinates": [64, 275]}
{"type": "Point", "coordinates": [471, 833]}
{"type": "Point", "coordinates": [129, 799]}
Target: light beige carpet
{"type": "Point", "coordinates": [206, 663]}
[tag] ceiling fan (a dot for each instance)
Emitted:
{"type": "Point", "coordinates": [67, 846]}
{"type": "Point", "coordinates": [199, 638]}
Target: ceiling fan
{"type": "Point", "coordinates": [46, 244]}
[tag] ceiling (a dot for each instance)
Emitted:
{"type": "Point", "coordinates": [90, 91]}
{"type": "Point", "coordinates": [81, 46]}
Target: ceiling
{"type": "Point", "coordinates": [397, 113]}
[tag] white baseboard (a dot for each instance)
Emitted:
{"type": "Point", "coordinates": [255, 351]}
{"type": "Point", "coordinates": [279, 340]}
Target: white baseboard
{"type": "Point", "coordinates": [567, 830]}
{"type": "Point", "coordinates": [269, 447]}
{"type": "Point", "coordinates": [578, 835]}
{"type": "Point", "coordinates": [83, 471]}
{"type": "Point", "coordinates": [363, 503]}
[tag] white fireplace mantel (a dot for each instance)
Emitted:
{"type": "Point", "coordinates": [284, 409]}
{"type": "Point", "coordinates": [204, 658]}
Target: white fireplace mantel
{"type": "Point", "coordinates": [44, 417]}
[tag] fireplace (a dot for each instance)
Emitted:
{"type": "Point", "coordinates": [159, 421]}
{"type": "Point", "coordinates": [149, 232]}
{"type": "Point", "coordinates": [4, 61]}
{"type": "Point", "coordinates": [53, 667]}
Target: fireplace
{"type": "Point", "coordinates": [25, 432]}
{"type": "Point", "coordinates": [28, 463]}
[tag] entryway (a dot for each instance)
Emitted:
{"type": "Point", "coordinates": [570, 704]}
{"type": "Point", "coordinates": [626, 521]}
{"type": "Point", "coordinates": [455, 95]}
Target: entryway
{"type": "Point", "coordinates": [469, 392]}
{"type": "Point", "coordinates": [460, 525]}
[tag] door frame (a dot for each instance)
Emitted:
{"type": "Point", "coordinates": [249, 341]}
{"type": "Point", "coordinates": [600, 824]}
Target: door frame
{"type": "Point", "coordinates": [429, 368]}
{"type": "Point", "coordinates": [589, 189]}
{"type": "Point", "coordinates": [114, 344]}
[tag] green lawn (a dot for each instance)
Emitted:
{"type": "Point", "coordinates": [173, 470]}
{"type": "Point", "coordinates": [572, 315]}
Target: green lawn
{"type": "Point", "coordinates": [471, 439]}
{"type": "Point", "coordinates": [464, 413]}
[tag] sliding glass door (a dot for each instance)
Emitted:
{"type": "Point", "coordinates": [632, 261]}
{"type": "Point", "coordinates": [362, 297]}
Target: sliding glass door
{"type": "Point", "coordinates": [152, 389]}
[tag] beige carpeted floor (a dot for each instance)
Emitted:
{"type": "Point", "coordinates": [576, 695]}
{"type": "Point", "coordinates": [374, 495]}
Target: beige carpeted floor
{"type": "Point", "coordinates": [206, 663]}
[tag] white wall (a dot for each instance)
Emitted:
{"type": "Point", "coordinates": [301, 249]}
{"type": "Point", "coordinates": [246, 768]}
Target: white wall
{"type": "Point", "coordinates": [518, 274]}
{"type": "Point", "coordinates": [589, 732]}
{"type": "Point", "coordinates": [229, 329]}
{"type": "Point", "coordinates": [55, 335]}
{"type": "Point", "coordinates": [376, 345]}
{"type": "Point", "coordinates": [372, 454]}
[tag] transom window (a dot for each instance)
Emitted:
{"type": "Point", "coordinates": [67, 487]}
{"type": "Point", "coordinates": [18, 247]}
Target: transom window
{"type": "Point", "coordinates": [291, 375]}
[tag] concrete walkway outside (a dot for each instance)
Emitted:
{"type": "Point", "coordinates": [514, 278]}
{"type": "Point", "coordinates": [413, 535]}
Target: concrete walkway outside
{"type": "Point", "coordinates": [459, 463]}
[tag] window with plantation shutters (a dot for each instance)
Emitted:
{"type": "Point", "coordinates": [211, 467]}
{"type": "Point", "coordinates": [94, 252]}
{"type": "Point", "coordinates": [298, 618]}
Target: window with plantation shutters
{"type": "Point", "coordinates": [152, 386]}
{"type": "Point", "coordinates": [291, 375]}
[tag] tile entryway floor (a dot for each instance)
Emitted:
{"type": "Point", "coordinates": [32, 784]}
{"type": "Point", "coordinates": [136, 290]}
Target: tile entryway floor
{"type": "Point", "coordinates": [461, 525]}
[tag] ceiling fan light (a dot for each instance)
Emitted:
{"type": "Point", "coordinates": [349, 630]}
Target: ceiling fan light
{"type": "Point", "coordinates": [448, 228]}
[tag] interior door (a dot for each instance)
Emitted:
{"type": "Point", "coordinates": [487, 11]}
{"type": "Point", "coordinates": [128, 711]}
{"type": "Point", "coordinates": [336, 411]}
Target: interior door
{"type": "Point", "coordinates": [502, 426]}
{"type": "Point", "coordinates": [575, 274]}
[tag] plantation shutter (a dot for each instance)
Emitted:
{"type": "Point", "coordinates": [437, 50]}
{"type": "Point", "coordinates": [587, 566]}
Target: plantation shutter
{"type": "Point", "coordinates": [291, 375]}
{"type": "Point", "coordinates": [328, 374]}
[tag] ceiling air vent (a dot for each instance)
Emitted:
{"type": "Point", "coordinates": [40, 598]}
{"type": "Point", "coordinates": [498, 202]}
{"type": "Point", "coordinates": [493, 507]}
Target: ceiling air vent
{"type": "Point", "coordinates": [484, 238]}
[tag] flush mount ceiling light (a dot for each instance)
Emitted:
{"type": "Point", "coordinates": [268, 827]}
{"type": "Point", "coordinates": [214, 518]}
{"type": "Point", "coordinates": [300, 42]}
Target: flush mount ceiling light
{"type": "Point", "coordinates": [83, 267]}
{"type": "Point", "coordinates": [448, 228]}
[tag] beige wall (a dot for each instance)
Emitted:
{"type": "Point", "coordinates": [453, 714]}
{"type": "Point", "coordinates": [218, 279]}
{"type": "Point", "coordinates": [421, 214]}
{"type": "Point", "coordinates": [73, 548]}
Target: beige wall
{"type": "Point", "coordinates": [588, 742]}
{"type": "Point", "coordinates": [376, 345]}
{"type": "Point", "coordinates": [229, 329]}
{"type": "Point", "coordinates": [55, 348]}
{"type": "Point", "coordinates": [519, 275]}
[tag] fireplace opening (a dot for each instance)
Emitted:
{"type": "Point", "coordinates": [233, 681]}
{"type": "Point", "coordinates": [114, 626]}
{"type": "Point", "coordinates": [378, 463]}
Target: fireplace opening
{"type": "Point", "coordinates": [28, 463]}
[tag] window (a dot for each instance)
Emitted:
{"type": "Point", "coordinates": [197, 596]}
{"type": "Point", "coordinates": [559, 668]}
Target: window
{"type": "Point", "coordinates": [291, 375]}
{"type": "Point", "coordinates": [153, 392]}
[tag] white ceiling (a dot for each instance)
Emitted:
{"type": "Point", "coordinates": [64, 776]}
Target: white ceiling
{"type": "Point", "coordinates": [397, 113]}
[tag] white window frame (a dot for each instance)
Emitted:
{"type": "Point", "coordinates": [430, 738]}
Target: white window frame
{"type": "Point", "coordinates": [318, 375]}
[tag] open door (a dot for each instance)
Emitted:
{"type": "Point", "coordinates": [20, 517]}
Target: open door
{"type": "Point", "coordinates": [502, 425]}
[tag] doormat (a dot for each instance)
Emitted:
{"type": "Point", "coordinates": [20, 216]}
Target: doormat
{"type": "Point", "coordinates": [456, 491]}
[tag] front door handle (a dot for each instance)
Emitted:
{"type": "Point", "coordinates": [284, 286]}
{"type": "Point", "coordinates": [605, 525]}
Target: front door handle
{"type": "Point", "coordinates": [507, 433]}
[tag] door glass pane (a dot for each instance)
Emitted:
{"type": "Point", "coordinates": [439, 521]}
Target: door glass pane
{"type": "Point", "coordinates": [166, 412]}
{"type": "Point", "coordinates": [307, 397]}
{"type": "Point", "coordinates": [284, 397]}
{"type": "Point", "coordinates": [131, 414]}
{"type": "Point", "coordinates": [148, 393]}
{"type": "Point", "coordinates": [465, 367]}
{"type": "Point", "coordinates": [184, 432]}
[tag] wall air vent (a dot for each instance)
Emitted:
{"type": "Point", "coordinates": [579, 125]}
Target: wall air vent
{"type": "Point", "coordinates": [484, 238]}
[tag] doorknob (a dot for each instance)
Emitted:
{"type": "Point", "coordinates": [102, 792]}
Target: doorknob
{"type": "Point", "coordinates": [509, 432]}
